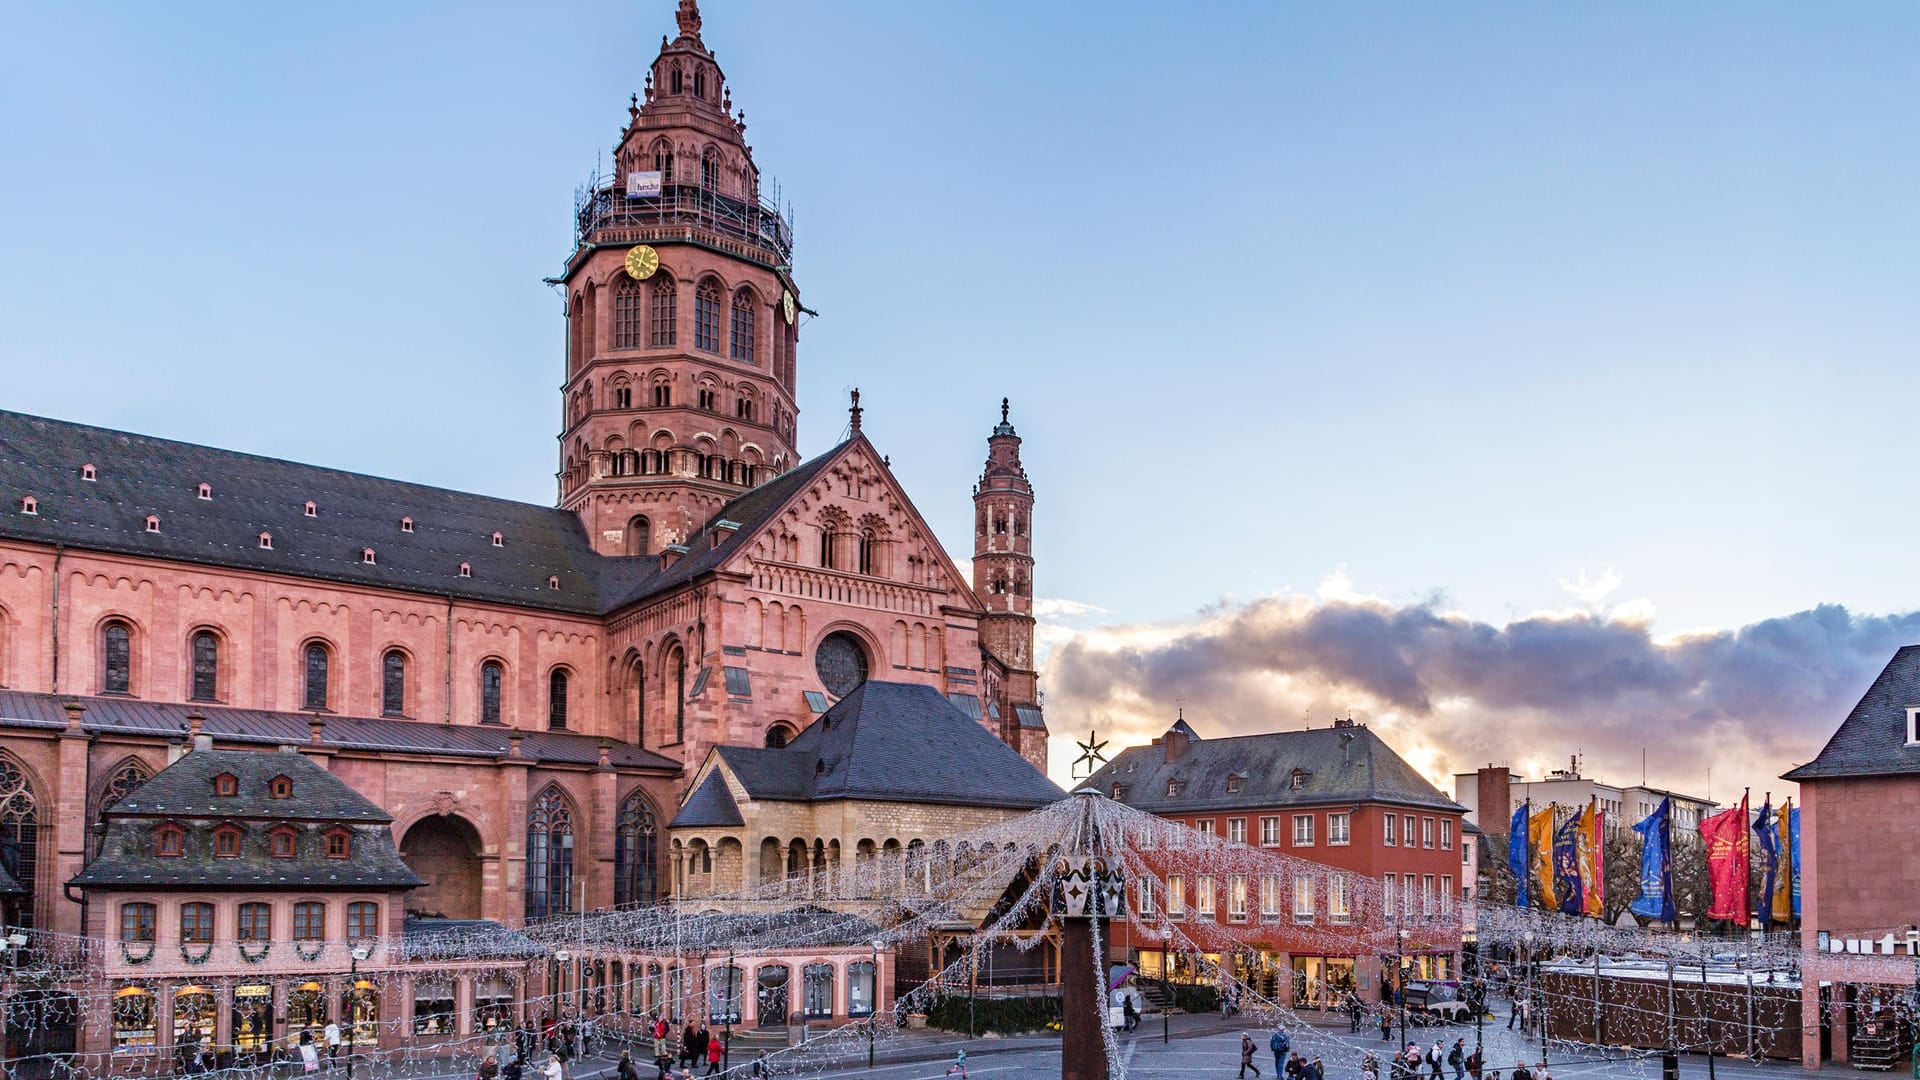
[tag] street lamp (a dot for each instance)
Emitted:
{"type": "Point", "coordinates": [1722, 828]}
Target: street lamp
{"type": "Point", "coordinates": [359, 953]}
{"type": "Point", "coordinates": [726, 1043]}
{"type": "Point", "coordinates": [1399, 985]}
{"type": "Point", "coordinates": [561, 961]}
{"type": "Point", "coordinates": [873, 1000]}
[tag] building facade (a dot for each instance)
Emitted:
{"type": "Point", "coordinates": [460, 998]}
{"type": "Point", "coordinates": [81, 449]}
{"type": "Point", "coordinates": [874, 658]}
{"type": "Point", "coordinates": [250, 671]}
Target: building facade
{"type": "Point", "coordinates": [1492, 793]}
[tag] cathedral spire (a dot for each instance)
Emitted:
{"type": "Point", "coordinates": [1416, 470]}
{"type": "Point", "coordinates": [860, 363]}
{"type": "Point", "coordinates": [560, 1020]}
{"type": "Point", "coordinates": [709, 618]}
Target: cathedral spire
{"type": "Point", "coordinates": [689, 19]}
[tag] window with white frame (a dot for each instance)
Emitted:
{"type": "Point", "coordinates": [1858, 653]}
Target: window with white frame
{"type": "Point", "coordinates": [1205, 825]}
{"type": "Point", "coordinates": [1303, 830]}
{"type": "Point", "coordinates": [1446, 833]}
{"type": "Point", "coordinates": [1339, 829]}
{"type": "Point", "coordinates": [1407, 885]}
{"type": "Point", "coordinates": [1391, 836]}
{"type": "Point", "coordinates": [1176, 895]}
{"type": "Point", "coordinates": [1203, 895]}
{"type": "Point", "coordinates": [1270, 832]}
{"type": "Point", "coordinates": [1237, 830]}
{"type": "Point", "coordinates": [1303, 898]}
{"type": "Point", "coordinates": [1426, 894]}
{"type": "Point", "coordinates": [1337, 910]}
{"type": "Point", "coordinates": [1426, 832]}
{"type": "Point", "coordinates": [1144, 894]}
{"type": "Point", "coordinates": [1913, 725]}
{"type": "Point", "coordinates": [1146, 835]}
{"type": "Point", "coordinates": [1386, 895]}
{"type": "Point", "coordinates": [1270, 895]}
{"type": "Point", "coordinates": [1237, 897]}
{"type": "Point", "coordinates": [1406, 829]}
{"type": "Point", "coordinates": [1446, 893]}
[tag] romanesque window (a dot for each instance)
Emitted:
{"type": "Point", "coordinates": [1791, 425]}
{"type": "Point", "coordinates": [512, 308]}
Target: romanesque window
{"type": "Point", "coordinates": [549, 856]}
{"type": "Point", "coordinates": [636, 854]}
{"type": "Point", "coordinates": [393, 683]}
{"type": "Point", "coordinates": [662, 397]}
{"type": "Point", "coordinates": [706, 398]}
{"type": "Point", "coordinates": [490, 674]}
{"type": "Point", "coordinates": [623, 397]}
{"type": "Point", "coordinates": [706, 316]}
{"type": "Point", "coordinates": [639, 705]}
{"type": "Point", "coordinates": [662, 320]}
{"type": "Point", "coordinates": [743, 326]}
{"type": "Point", "coordinates": [677, 664]}
{"type": "Point", "coordinates": [629, 319]}
{"type": "Point", "coordinates": [316, 686]}
{"type": "Point", "coordinates": [196, 924]}
{"type": "Point", "coordinates": [743, 407]}
{"type": "Point", "coordinates": [117, 648]}
{"type": "Point", "coordinates": [206, 666]}
{"type": "Point", "coordinates": [841, 663]}
{"type": "Point", "coordinates": [639, 535]}
{"type": "Point", "coordinates": [867, 544]}
{"type": "Point", "coordinates": [557, 699]}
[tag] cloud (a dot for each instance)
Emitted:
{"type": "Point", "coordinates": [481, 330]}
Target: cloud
{"type": "Point", "coordinates": [1045, 607]}
{"type": "Point", "coordinates": [1451, 692]}
{"type": "Point", "coordinates": [1593, 591]}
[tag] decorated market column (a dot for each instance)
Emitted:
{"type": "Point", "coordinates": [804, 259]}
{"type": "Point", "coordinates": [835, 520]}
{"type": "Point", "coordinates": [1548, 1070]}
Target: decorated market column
{"type": "Point", "coordinates": [1088, 891]}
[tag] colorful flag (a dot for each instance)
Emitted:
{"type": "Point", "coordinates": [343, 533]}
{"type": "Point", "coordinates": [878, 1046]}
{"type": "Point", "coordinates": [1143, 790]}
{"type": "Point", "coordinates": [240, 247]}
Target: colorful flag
{"type": "Point", "coordinates": [1540, 838]}
{"type": "Point", "coordinates": [1782, 890]}
{"type": "Point", "coordinates": [1793, 831]}
{"type": "Point", "coordinates": [1725, 837]}
{"type": "Point", "coordinates": [1592, 858]}
{"type": "Point", "coordinates": [1517, 852]}
{"type": "Point", "coordinates": [1764, 832]}
{"type": "Point", "coordinates": [1656, 887]}
{"type": "Point", "coordinates": [1567, 882]}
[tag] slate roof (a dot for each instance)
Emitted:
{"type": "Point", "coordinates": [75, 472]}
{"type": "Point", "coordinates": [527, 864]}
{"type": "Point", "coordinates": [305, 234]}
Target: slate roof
{"type": "Point", "coordinates": [138, 475]}
{"type": "Point", "coordinates": [475, 939]}
{"type": "Point", "coordinates": [133, 716]}
{"type": "Point", "coordinates": [1872, 740]}
{"type": "Point", "coordinates": [183, 792]}
{"type": "Point", "coordinates": [711, 806]}
{"type": "Point", "coordinates": [893, 742]}
{"type": "Point", "coordinates": [1343, 765]}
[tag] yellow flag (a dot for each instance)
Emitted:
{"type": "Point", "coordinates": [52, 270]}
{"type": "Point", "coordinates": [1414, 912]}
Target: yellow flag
{"type": "Point", "coordinates": [1587, 853]}
{"type": "Point", "coordinates": [1540, 833]}
{"type": "Point", "coordinates": [1783, 877]}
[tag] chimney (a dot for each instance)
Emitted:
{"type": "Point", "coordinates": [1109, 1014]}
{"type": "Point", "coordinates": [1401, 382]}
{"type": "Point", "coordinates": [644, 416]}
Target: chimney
{"type": "Point", "coordinates": [316, 728]}
{"type": "Point", "coordinates": [74, 709]}
{"type": "Point", "coordinates": [513, 742]}
{"type": "Point", "coordinates": [175, 748]}
{"type": "Point", "coordinates": [1174, 743]}
{"type": "Point", "coordinates": [1494, 798]}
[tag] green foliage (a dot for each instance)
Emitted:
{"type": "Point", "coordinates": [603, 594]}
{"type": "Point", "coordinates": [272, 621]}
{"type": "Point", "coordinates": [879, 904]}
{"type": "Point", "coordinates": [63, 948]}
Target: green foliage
{"type": "Point", "coordinates": [1003, 1016]}
{"type": "Point", "coordinates": [1195, 997]}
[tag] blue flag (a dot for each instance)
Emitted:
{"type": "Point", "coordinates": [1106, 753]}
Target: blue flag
{"type": "Point", "coordinates": [1656, 897]}
{"type": "Point", "coordinates": [1566, 867]}
{"type": "Point", "coordinates": [1517, 852]}
{"type": "Point", "coordinates": [1765, 834]}
{"type": "Point", "coordinates": [1793, 843]}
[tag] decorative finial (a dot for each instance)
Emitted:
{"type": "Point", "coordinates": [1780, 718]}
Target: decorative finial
{"type": "Point", "coordinates": [689, 18]}
{"type": "Point", "coordinates": [1003, 410]}
{"type": "Point", "coordinates": [856, 410]}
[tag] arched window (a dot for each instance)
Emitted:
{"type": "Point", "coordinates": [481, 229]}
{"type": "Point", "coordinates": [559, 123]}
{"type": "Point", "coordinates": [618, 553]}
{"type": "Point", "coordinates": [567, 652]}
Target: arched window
{"type": "Point", "coordinates": [19, 834]}
{"type": "Point", "coordinates": [743, 326]}
{"type": "Point", "coordinates": [866, 551]}
{"type": "Point", "coordinates": [549, 855]}
{"type": "Point", "coordinates": [700, 85]}
{"type": "Point", "coordinates": [706, 316]}
{"type": "Point", "coordinates": [661, 316]}
{"type": "Point", "coordinates": [206, 667]}
{"type": "Point", "coordinates": [778, 736]}
{"type": "Point", "coordinates": [129, 775]}
{"type": "Point", "coordinates": [639, 535]}
{"type": "Point", "coordinates": [709, 162]}
{"type": "Point", "coordinates": [316, 688]}
{"type": "Point", "coordinates": [639, 705]}
{"type": "Point", "coordinates": [679, 81]}
{"type": "Point", "coordinates": [841, 663]}
{"type": "Point", "coordinates": [557, 699]}
{"type": "Point", "coordinates": [629, 318]}
{"type": "Point", "coordinates": [636, 854]}
{"type": "Point", "coordinates": [677, 665]}
{"type": "Point", "coordinates": [490, 692]}
{"type": "Point", "coordinates": [116, 647]}
{"type": "Point", "coordinates": [663, 162]}
{"type": "Point", "coordinates": [393, 683]}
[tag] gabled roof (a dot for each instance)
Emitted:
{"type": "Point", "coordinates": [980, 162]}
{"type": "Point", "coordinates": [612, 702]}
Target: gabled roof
{"type": "Point", "coordinates": [1346, 764]}
{"type": "Point", "coordinates": [1872, 740]}
{"type": "Point", "coordinates": [711, 806]}
{"type": "Point", "coordinates": [133, 716]}
{"type": "Point", "coordinates": [893, 742]}
{"type": "Point", "coordinates": [185, 789]}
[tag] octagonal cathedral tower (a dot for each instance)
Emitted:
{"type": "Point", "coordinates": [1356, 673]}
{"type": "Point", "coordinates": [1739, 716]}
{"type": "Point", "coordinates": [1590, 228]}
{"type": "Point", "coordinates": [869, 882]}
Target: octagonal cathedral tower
{"type": "Point", "coordinates": [681, 317]}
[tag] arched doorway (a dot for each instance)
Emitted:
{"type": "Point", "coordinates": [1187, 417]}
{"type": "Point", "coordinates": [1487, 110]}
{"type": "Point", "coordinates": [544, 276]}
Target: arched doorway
{"type": "Point", "coordinates": [445, 851]}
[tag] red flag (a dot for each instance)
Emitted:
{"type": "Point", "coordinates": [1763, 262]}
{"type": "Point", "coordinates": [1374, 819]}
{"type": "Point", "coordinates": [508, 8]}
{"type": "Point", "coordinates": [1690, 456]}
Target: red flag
{"type": "Point", "coordinates": [1725, 837]}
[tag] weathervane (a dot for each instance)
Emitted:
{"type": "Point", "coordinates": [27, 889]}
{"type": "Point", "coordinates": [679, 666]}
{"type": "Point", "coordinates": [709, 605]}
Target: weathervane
{"type": "Point", "coordinates": [1090, 756]}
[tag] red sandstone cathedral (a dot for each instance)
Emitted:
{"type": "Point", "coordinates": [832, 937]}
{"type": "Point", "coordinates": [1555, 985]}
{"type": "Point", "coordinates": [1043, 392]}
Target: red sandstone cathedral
{"type": "Point", "coordinates": [524, 690]}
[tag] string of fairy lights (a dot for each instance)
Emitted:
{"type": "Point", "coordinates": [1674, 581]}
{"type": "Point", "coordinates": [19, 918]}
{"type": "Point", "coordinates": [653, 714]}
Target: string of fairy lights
{"type": "Point", "coordinates": [1204, 904]}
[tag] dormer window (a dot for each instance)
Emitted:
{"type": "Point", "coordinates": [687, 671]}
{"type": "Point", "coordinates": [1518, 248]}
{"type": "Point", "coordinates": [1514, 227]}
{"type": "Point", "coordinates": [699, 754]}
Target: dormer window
{"type": "Point", "coordinates": [226, 785]}
{"type": "Point", "coordinates": [1299, 779]}
{"type": "Point", "coordinates": [29, 505]}
{"type": "Point", "coordinates": [312, 510]}
{"type": "Point", "coordinates": [466, 569]}
{"type": "Point", "coordinates": [280, 842]}
{"type": "Point", "coordinates": [1173, 788]}
{"type": "Point", "coordinates": [1913, 725]}
{"type": "Point", "coordinates": [1233, 785]}
{"type": "Point", "coordinates": [339, 844]}
{"type": "Point", "coordinates": [168, 841]}
{"type": "Point", "coordinates": [1118, 791]}
{"type": "Point", "coordinates": [266, 541]}
{"type": "Point", "coordinates": [226, 842]}
{"type": "Point", "coordinates": [499, 541]}
{"type": "Point", "coordinates": [406, 524]}
{"type": "Point", "coordinates": [206, 492]}
{"type": "Point", "coordinates": [280, 787]}
{"type": "Point", "coordinates": [553, 582]}
{"type": "Point", "coordinates": [366, 556]}
{"type": "Point", "coordinates": [153, 523]}
{"type": "Point", "coordinates": [88, 473]}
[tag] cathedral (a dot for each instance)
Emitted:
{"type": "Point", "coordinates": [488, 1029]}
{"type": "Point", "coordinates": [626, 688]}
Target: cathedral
{"type": "Point", "coordinates": [503, 706]}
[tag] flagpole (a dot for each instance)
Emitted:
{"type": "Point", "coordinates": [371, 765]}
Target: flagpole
{"type": "Point", "coordinates": [1666, 871]}
{"type": "Point", "coordinates": [1746, 864]}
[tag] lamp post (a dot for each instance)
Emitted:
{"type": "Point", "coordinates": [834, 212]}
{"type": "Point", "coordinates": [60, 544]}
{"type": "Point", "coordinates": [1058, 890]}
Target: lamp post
{"type": "Point", "coordinates": [1399, 984]}
{"type": "Point", "coordinates": [873, 1000]}
{"type": "Point", "coordinates": [562, 963]}
{"type": "Point", "coordinates": [726, 1042]}
{"type": "Point", "coordinates": [358, 954]}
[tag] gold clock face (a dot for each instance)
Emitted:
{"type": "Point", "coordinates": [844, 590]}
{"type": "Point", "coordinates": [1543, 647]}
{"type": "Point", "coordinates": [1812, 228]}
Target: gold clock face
{"type": "Point", "coordinates": [642, 261]}
{"type": "Point", "coordinates": [787, 306]}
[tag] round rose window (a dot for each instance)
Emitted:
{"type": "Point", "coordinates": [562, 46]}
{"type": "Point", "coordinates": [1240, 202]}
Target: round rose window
{"type": "Point", "coordinates": [841, 662]}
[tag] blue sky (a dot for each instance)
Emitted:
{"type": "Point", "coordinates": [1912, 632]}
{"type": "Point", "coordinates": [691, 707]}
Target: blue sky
{"type": "Point", "coordinates": [1454, 305]}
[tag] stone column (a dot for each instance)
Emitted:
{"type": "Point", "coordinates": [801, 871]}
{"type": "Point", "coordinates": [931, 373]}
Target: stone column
{"type": "Point", "coordinates": [69, 829]}
{"type": "Point", "coordinates": [601, 812]}
{"type": "Point", "coordinates": [502, 903]}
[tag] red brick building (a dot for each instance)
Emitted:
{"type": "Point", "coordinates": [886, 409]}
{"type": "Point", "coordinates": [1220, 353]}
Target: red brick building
{"type": "Point", "coordinates": [1860, 877]}
{"type": "Point", "coordinates": [1338, 797]}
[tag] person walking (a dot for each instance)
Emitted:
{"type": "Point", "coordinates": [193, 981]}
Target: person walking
{"type": "Point", "coordinates": [1353, 1013]}
{"type": "Point", "coordinates": [960, 1063]}
{"type": "Point", "coordinates": [1246, 1055]}
{"type": "Point", "coordinates": [513, 1069]}
{"type": "Point", "coordinates": [554, 1070]}
{"type": "Point", "coordinates": [1475, 1062]}
{"type": "Point", "coordinates": [1296, 1067]}
{"type": "Point", "coordinates": [1520, 1071]}
{"type": "Point", "coordinates": [1279, 1044]}
{"type": "Point", "coordinates": [714, 1050]}
{"type": "Point", "coordinates": [1128, 1013]}
{"type": "Point", "coordinates": [1386, 1027]}
{"type": "Point", "coordinates": [1369, 1066]}
{"type": "Point", "coordinates": [687, 1037]}
{"type": "Point", "coordinates": [760, 1067]}
{"type": "Point", "coordinates": [489, 1069]}
{"type": "Point", "coordinates": [1457, 1057]}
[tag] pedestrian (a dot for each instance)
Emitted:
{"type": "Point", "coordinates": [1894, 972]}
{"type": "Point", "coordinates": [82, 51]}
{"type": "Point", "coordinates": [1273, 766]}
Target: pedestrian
{"type": "Point", "coordinates": [514, 1070]}
{"type": "Point", "coordinates": [1386, 1027]}
{"type": "Point", "coordinates": [1513, 1012]}
{"type": "Point", "coordinates": [1369, 1066]}
{"type": "Point", "coordinates": [1520, 1071]}
{"type": "Point", "coordinates": [760, 1066]}
{"type": "Point", "coordinates": [1279, 1043]}
{"type": "Point", "coordinates": [1540, 1072]}
{"type": "Point", "coordinates": [1296, 1067]}
{"type": "Point", "coordinates": [960, 1063]}
{"type": "Point", "coordinates": [489, 1069]}
{"type": "Point", "coordinates": [333, 1042]}
{"type": "Point", "coordinates": [1353, 1013]}
{"type": "Point", "coordinates": [625, 1070]}
{"type": "Point", "coordinates": [554, 1070]}
{"type": "Point", "coordinates": [1436, 1058]}
{"type": "Point", "coordinates": [1246, 1055]}
{"type": "Point", "coordinates": [1130, 1014]}
{"type": "Point", "coordinates": [1475, 1061]}
{"type": "Point", "coordinates": [686, 1046]}
{"type": "Point", "coordinates": [1457, 1057]}
{"type": "Point", "coordinates": [714, 1050]}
